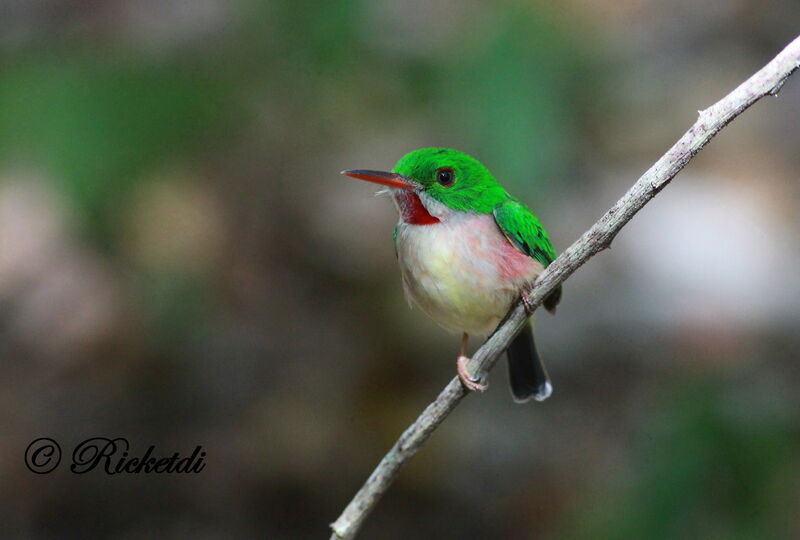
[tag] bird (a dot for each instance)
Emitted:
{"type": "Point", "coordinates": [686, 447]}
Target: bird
{"type": "Point", "coordinates": [467, 251]}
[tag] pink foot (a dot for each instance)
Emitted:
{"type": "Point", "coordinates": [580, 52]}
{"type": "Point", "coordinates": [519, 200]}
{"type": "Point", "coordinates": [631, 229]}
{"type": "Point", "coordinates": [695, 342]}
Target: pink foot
{"type": "Point", "coordinates": [469, 383]}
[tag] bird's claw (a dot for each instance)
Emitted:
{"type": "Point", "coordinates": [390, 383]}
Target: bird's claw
{"type": "Point", "coordinates": [469, 383]}
{"type": "Point", "coordinates": [527, 301]}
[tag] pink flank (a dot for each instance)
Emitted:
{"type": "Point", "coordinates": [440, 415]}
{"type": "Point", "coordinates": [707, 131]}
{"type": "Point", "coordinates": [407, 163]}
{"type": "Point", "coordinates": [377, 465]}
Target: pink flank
{"type": "Point", "coordinates": [513, 264]}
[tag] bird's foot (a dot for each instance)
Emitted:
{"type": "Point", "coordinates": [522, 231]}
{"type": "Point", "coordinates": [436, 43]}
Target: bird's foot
{"type": "Point", "coordinates": [527, 301]}
{"type": "Point", "coordinates": [469, 383]}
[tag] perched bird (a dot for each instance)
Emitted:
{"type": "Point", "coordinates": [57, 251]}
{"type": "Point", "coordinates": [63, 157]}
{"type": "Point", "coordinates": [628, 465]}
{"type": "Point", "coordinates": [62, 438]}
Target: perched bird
{"type": "Point", "coordinates": [466, 249]}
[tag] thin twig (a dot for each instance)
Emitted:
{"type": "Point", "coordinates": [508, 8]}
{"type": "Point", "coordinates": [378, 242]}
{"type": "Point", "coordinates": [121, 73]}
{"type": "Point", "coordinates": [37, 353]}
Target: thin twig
{"type": "Point", "coordinates": [767, 81]}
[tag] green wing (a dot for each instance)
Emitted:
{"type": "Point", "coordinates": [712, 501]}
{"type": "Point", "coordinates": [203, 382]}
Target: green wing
{"type": "Point", "coordinates": [524, 231]}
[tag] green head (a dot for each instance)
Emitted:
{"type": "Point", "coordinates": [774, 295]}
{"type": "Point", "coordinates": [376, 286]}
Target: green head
{"type": "Point", "coordinates": [448, 176]}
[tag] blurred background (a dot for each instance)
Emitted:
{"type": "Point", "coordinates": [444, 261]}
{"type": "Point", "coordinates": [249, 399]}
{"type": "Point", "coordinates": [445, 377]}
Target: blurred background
{"type": "Point", "coordinates": [181, 264]}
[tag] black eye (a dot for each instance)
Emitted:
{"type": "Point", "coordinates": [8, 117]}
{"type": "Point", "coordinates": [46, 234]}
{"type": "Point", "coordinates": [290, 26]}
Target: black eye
{"type": "Point", "coordinates": [445, 176]}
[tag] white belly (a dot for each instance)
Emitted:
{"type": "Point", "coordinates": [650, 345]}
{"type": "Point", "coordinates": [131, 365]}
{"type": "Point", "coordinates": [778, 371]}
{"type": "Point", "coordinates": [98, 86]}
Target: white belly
{"type": "Point", "coordinates": [462, 272]}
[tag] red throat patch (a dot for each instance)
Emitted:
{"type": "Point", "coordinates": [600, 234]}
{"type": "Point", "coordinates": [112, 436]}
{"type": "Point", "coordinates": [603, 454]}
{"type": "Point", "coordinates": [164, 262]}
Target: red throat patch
{"type": "Point", "coordinates": [411, 208]}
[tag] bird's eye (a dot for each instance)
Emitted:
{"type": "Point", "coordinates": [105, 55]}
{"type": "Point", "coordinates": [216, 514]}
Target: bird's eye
{"type": "Point", "coordinates": [445, 176]}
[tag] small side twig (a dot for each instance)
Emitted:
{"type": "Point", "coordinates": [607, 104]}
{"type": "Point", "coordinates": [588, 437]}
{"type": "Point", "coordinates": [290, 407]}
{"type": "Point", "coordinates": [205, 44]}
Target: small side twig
{"type": "Point", "coordinates": [766, 81]}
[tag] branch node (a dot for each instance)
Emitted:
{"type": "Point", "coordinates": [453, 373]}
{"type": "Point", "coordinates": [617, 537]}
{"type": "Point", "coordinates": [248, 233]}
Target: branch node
{"type": "Point", "coordinates": [777, 88]}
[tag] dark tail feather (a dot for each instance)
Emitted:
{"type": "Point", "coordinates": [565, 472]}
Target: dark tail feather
{"type": "Point", "coordinates": [552, 300]}
{"type": "Point", "coordinates": [526, 371]}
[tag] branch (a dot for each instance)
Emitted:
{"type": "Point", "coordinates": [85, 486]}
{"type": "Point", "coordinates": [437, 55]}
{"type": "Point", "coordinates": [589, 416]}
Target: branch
{"type": "Point", "coordinates": [768, 80]}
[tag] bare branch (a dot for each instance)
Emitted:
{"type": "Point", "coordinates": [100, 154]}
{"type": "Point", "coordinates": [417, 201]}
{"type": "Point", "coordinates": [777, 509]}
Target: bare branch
{"type": "Point", "coordinates": [767, 81]}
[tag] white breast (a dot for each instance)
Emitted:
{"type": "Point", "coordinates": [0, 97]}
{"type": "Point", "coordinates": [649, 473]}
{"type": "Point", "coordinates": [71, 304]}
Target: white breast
{"type": "Point", "coordinates": [456, 271]}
